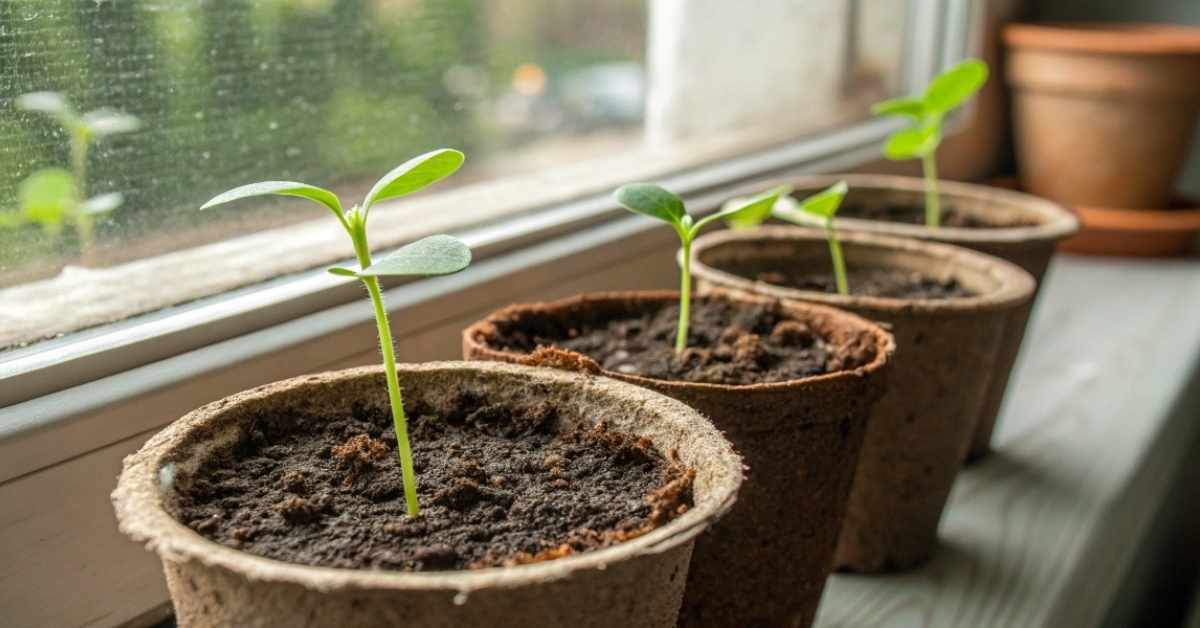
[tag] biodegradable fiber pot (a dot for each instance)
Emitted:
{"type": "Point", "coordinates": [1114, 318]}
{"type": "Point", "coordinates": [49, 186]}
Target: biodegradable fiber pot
{"type": "Point", "coordinates": [765, 564]}
{"type": "Point", "coordinates": [634, 583]}
{"type": "Point", "coordinates": [1036, 226]}
{"type": "Point", "coordinates": [1104, 113]}
{"type": "Point", "coordinates": [947, 351]}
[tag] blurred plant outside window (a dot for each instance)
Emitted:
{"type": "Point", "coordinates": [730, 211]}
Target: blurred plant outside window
{"type": "Point", "coordinates": [548, 98]}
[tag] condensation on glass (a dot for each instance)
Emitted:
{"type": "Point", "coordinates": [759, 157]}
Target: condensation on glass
{"type": "Point", "coordinates": [335, 92]}
{"type": "Point", "coordinates": [332, 92]}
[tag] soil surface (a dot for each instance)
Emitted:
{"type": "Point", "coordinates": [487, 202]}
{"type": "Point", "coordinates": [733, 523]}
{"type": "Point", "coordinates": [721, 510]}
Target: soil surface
{"type": "Point", "coordinates": [863, 281]}
{"type": "Point", "coordinates": [951, 217]}
{"type": "Point", "coordinates": [870, 282]}
{"type": "Point", "coordinates": [497, 486]}
{"type": "Point", "coordinates": [727, 344]}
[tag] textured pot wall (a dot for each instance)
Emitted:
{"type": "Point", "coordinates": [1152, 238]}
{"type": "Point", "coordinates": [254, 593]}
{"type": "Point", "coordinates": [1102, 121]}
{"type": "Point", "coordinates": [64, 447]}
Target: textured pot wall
{"type": "Point", "coordinates": [643, 591]}
{"type": "Point", "coordinates": [635, 583]}
{"type": "Point", "coordinates": [764, 564]}
{"type": "Point", "coordinates": [947, 354]}
{"type": "Point", "coordinates": [1029, 247]}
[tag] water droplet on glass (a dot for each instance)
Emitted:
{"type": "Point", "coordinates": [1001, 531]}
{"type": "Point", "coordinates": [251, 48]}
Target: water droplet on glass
{"type": "Point", "coordinates": [460, 598]}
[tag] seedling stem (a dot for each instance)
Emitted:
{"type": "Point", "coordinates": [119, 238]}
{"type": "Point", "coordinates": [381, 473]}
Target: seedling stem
{"type": "Point", "coordinates": [653, 201]}
{"type": "Point", "coordinates": [922, 137]}
{"type": "Point", "coordinates": [434, 255]}
{"type": "Point", "coordinates": [933, 203]}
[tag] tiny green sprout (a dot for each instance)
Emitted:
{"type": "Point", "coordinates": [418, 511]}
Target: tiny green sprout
{"type": "Point", "coordinates": [653, 201]}
{"type": "Point", "coordinates": [53, 197]}
{"type": "Point", "coordinates": [434, 255]}
{"type": "Point", "coordinates": [823, 206]}
{"type": "Point", "coordinates": [920, 140]}
{"type": "Point", "coordinates": [756, 212]}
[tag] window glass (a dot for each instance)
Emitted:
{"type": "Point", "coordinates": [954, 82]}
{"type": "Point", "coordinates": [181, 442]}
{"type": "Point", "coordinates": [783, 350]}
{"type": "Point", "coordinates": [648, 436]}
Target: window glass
{"type": "Point", "coordinates": [328, 92]}
{"type": "Point", "coordinates": [538, 93]}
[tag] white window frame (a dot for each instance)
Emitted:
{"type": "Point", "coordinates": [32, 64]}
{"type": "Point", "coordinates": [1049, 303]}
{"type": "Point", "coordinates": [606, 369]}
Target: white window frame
{"type": "Point", "coordinates": [57, 399]}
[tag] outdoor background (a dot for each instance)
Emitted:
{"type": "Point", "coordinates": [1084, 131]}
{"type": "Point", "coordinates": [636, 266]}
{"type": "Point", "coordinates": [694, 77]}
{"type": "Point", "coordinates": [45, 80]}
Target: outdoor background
{"type": "Point", "coordinates": [330, 92]}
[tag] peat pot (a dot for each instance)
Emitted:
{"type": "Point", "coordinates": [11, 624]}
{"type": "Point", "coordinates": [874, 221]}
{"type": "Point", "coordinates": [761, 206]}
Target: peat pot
{"type": "Point", "coordinates": [948, 352]}
{"type": "Point", "coordinates": [1034, 226]}
{"type": "Point", "coordinates": [765, 564]}
{"type": "Point", "coordinates": [636, 582]}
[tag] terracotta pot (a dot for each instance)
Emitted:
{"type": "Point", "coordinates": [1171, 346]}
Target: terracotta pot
{"type": "Point", "coordinates": [1030, 246]}
{"type": "Point", "coordinates": [948, 350]}
{"type": "Point", "coordinates": [635, 583]}
{"type": "Point", "coordinates": [766, 563]}
{"type": "Point", "coordinates": [1104, 113]}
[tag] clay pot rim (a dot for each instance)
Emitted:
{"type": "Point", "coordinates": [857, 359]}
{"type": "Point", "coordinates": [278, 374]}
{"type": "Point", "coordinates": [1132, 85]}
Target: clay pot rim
{"type": "Point", "coordinates": [1056, 221]}
{"type": "Point", "coordinates": [885, 343]}
{"type": "Point", "coordinates": [1133, 38]}
{"type": "Point", "coordinates": [1141, 220]}
{"type": "Point", "coordinates": [1016, 285]}
{"type": "Point", "coordinates": [140, 513]}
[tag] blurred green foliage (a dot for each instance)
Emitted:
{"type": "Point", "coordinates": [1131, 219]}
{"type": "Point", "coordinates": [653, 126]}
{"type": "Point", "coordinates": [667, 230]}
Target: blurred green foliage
{"type": "Point", "coordinates": [231, 91]}
{"type": "Point", "coordinates": [327, 87]}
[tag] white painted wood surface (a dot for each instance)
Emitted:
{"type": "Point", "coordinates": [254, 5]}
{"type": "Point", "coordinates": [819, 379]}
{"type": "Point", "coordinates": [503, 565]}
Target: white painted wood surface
{"type": "Point", "coordinates": [1099, 416]}
{"type": "Point", "coordinates": [1039, 535]}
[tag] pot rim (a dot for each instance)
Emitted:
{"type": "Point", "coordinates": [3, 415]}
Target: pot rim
{"type": "Point", "coordinates": [1131, 38]}
{"type": "Point", "coordinates": [141, 515]}
{"type": "Point", "coordinates": [884, 342]}
{"type": "Point", "coordinates": [1165, 220]}
{"type": "Point", "coordinates": [1056, 221]}
{"type": "Point", "coordinates": [1015, 285]}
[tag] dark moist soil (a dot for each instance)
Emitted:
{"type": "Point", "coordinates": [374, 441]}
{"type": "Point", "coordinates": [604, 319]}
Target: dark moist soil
{"type": "Point", "coordinates": [497, 487]}
{"type": "Point", "coordinates": [951, 217]}
{"type": "Point", "coordinates": [727, 344]}
{"type": "Point", "coordinates": [867, 282]}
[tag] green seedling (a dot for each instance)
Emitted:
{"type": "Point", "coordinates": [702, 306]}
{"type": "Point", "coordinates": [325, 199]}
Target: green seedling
{"type": "Point", "coordinates": [754, 215]}
{"type": "Point", "coordinates": [54, 197]}
{"type": "Point", "coordinates": [822, 207]}
{"type": "Point", "coordinates": [920, 140]}
{"type": "Point", "coordinates": [434, 255]}
{"type": "Point", "coordinates": [653, 201]}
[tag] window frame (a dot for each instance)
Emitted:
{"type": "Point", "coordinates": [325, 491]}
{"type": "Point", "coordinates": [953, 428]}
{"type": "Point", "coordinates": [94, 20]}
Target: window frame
{"type": "Point", "coordinates": [55, 399]}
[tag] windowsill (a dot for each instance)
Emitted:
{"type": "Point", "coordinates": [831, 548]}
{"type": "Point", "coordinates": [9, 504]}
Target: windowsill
{"type": "Point", "coordinates": [1099, 419]}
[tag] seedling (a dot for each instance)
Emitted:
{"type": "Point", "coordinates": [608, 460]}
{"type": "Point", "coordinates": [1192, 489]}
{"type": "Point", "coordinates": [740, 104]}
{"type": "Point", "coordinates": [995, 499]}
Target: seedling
{"type": "Point", "coordinates": [651, 200]}
{"type": "Point", "coordinates": [823, 206]}
{"type": "Point", "coordinates": [50, 198]}
{"type": "Point", "coordinates": [53, 197]}
{"type": "Point", "coordinates": [921, 139]}
{"type": "Point", "coordinates": [434, 255]}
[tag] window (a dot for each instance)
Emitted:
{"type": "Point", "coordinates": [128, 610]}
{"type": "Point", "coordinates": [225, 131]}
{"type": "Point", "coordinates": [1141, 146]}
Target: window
{"type": "Point", "coordinates": [545, 96]}
{"type": "Point", "coordinates": [556, 103]}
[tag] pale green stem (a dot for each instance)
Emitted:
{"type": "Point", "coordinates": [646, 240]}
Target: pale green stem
{"type": "Point", "coordinates": [835, 253]}
{"type": "Point", "coordinates": [399, 421]}
{"type": "Point", "coordinates": [933, 210]}
{"type": "Point", "coordinates": [685, 297]}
